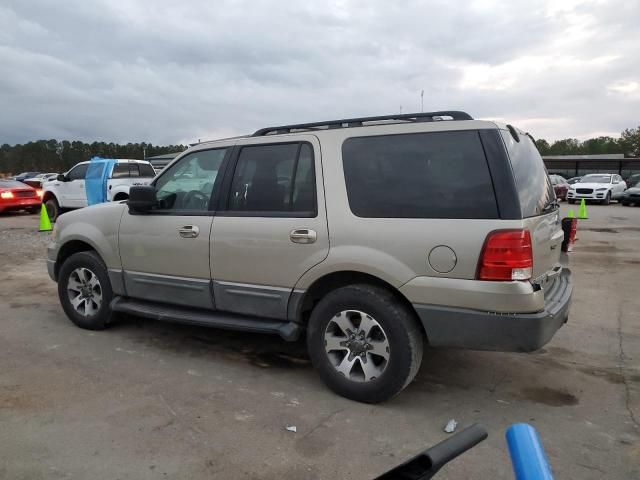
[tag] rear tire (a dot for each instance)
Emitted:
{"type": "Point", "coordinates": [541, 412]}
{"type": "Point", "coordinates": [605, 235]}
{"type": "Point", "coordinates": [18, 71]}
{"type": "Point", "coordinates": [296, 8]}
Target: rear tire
{"type": "Point", "coordinates": [85, 291]}
{"type": "Point", "coordinates": [365, 344]}
{"type": "Point", "coordinates": [571, 202]}
{"type": "Point", "coordinates": [53, 209]}
{"type": "Point", "coordinates": [626, 204]}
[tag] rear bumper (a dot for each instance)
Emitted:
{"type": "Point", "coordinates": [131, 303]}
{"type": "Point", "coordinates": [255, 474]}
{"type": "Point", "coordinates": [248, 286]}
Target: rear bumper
{"type": "Point", "coordinates": [20, 204]}
{"type": "Point", "coordinates": [509, 332]}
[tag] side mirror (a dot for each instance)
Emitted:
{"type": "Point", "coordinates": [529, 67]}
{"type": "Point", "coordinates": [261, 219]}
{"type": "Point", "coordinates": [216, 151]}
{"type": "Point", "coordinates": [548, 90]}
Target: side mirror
{"type": "Point", "coordinates": [61, 177]}
{"type": "Point", "coordinates": [142, 198]}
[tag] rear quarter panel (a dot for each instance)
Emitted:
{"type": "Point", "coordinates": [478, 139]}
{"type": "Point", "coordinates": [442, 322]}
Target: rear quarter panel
{"type": "Point", "coordinates": [393, 249]}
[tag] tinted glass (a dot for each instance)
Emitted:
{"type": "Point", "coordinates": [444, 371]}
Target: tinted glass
{"type": "Point", "coordinates": [79, 172]}
{"type": "Point", "coordinates": [188, 184]}
{"type": "Point", "coordinates": [534, 187]}
{"type": "Point", "coordinates": [120, 170]}
{"type": "Point", "coordinates": [146, 170]}
{"type": "Point", "coordinates": [274, 178]}
{"type": "Point", "coordinates": [420, 175]}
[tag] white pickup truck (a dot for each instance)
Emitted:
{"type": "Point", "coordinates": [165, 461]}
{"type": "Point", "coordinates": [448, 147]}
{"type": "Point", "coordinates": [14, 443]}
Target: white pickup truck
{"type": "Point", "coordinates": [67, 191]}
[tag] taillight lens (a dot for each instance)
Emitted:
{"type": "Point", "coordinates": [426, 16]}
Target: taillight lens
{"type": "Point", "coordinates": [6, 195]}
{"type": "Point", "coordinates": [569, 227]}
{"type": "Point", "coordinates": [506, 255]}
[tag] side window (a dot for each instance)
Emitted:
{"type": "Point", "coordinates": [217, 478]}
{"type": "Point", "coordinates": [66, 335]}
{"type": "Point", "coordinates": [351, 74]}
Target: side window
{"type": "Point", "coordinates": [419, 175]}
{"type": "Point", "coordinates": [145, 170]}
{"type": "Point", "coordinates": [120, 170]}
{"type": "Point", "coordinates": [188, 184]}
{"type": "Point", "coordinates": [78, 172]}
{"type": "Point", "coordinates": [277, 178]}
{"type": "Point", "coordinates": [133, 170]}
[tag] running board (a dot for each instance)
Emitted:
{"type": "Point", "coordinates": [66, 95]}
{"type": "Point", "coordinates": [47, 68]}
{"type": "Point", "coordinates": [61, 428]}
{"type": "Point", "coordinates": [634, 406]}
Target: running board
{"type": "Point", "coordinates": [289, 331]}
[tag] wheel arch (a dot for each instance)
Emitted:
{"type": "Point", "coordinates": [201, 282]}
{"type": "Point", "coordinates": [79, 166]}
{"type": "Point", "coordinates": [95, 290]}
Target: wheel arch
{"type": "Point", "coordinates": [70, 248]}
{"type": "Point", "coordinates": [121, 195]}
{"type": "Point", "coordinates": [302, 303]}
{"type": "Point", "coordinates": [48, 195]}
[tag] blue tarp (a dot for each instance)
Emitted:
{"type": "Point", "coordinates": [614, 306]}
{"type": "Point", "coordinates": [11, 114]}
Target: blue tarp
{"type": "Point", "coordinates": [95, 181]}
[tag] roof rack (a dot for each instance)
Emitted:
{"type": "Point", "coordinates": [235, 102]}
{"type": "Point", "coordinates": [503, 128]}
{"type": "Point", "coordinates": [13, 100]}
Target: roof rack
{"type": "Point", "coordinates": [358, 122]}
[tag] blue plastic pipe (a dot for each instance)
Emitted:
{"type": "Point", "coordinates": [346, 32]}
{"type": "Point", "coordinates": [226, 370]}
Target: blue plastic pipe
{"type": "Point", "coordinates": [527, 455]}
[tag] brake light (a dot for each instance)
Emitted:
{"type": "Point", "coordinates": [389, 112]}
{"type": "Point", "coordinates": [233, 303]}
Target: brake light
{"type": "Point", "coordinates": [6, 195]}
{"type": "Point", "coordinates": [569, 227]}
{"type": "Point", "coordinates": [40, 193]}
{"type": "Point", "coordinates": [506, 255]}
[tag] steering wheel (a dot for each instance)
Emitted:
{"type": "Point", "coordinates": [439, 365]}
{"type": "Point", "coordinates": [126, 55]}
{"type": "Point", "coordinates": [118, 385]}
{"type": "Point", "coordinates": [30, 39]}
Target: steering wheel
{"type": "Point", "coordinates": [195, 195]}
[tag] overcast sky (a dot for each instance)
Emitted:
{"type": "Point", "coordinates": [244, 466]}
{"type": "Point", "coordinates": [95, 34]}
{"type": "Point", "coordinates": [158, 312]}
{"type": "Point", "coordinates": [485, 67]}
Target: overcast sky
{"type": "Point", "coordinates": [170, 71]}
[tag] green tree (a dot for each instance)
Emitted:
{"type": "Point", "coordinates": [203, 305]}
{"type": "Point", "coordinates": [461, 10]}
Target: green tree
{"type": "Point", "coordinates": [630, 141]}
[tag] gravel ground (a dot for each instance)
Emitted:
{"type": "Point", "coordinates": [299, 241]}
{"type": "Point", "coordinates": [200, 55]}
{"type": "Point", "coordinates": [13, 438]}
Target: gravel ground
{"type": "Point", "coordinates": [147, 400]}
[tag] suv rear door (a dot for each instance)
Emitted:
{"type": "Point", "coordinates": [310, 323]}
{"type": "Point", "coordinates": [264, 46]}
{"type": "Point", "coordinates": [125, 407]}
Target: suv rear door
{"type": "Point", "coordinates": [272, 226]}
{"type": "Point", "coordinates": [540, 216]}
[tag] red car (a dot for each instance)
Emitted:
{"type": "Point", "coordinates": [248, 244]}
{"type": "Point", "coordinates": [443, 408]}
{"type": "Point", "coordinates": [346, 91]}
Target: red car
{"type": "Point", "coordinates": [19, 196]}
{"type": "Point", "coordinates": [560, 186]}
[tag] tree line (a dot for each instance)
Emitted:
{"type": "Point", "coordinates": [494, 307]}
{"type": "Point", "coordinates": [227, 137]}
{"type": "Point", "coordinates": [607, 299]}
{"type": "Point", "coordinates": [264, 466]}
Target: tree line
{"type": "Point", "coordinates": [59, 156]}
{"type": "Point", "coordinates": [628, 143]}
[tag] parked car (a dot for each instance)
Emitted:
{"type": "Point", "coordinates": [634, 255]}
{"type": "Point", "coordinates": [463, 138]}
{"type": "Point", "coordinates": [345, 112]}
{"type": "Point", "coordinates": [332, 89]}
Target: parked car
{"type": "Point", "coordinates": [602, 187]}
{"type": "Point", "coordinates": [560, 186]}
{"type": "Point", "coordinates": [67, 191]}
{"type": "Point", "coordinates": [632, 179]}
{"type": "Point", "coordinates": [573, 180]}
{"type": "Point", "coordinates": [39, 180]}
{"type": "Point", "coordinates": [16, 195]}
{"type": "Point", "coordinates": [24, 175]}
{"type": "Point", "coordinates": [631, 195]}
{"type": "Point", "coordinates": [355, 232]}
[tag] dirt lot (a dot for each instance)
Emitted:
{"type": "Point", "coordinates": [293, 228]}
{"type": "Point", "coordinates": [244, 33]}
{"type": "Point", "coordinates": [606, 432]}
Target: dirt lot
{"type": "Point", "coordinates": [150, 400]}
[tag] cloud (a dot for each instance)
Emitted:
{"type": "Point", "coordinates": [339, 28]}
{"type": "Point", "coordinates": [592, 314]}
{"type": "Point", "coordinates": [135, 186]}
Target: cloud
{"type": "Point", "coordinates": [167, 71]}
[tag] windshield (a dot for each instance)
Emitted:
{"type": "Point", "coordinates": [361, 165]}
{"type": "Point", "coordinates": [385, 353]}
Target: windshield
{"type": "Point", "coordinates": [596, 179]}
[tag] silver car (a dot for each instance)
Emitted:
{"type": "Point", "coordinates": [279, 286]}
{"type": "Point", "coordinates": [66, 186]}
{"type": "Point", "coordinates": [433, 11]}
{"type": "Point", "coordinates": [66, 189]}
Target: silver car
{"type": "Point", "coordinates": [357, 233]}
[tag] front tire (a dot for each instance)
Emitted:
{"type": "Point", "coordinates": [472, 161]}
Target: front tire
{"type": "Point", "coordinates": [85, 291]}
{"type": "Point", "coordinates": [571, 202]}
{"type": "Point", "coordinates": [365, 344]}
{"type": "Point", "coordinates": [53, 209]}
{"type": "Point", "coordinates": [607, 199]}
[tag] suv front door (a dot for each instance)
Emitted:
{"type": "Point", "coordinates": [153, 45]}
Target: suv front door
{"type": "Point", "coordinates": [165, 253]}
{"type": "Point", "coordinates": [271, 228]}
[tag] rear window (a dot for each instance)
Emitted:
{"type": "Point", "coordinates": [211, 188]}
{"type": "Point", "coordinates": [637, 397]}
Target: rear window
{"type": "Point", "coordinates": [120, 170]}
{"type": "Point", "coordinates": [419, 175]}
{"type": "Point", "coordinates": [532, 182]}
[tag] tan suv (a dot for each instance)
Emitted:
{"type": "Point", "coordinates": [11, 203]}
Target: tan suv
{"type": "Point", "coordinates": [374, 235]}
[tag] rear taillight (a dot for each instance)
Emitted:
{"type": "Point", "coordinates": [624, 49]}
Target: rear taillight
{"type": "Point", "coordinates": [506, 255]}
{"type": "Point", "coordinates": [569, 227]}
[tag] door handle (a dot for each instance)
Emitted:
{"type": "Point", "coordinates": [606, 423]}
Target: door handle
{"type": "Point", "coordinates": [303, 235]}
{"type": "Point", "coordinates": [189, 231]}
